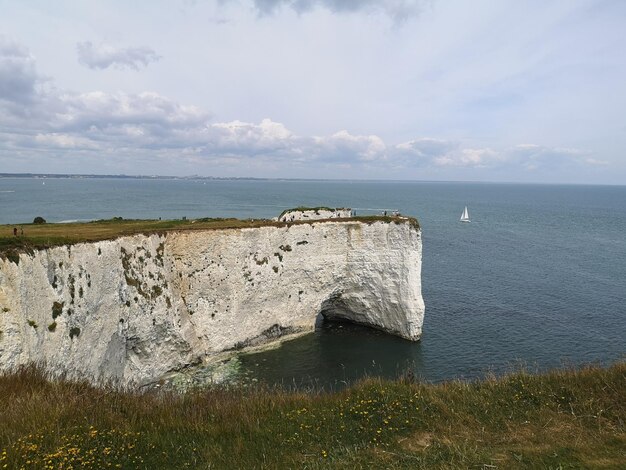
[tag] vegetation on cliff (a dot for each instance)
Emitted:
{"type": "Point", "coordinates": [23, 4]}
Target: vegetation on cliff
{"type": "Point", "coordinates": [39, 236]}
{"type": "Point", "coordinates": [563, 419]}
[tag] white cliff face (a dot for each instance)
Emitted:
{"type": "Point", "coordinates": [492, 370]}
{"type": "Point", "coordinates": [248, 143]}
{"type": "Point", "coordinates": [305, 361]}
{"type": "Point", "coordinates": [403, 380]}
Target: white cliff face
{"type": "Point", "coordinates": [315, 214]}
{"type": "Point", "coordinates": [132, 309]}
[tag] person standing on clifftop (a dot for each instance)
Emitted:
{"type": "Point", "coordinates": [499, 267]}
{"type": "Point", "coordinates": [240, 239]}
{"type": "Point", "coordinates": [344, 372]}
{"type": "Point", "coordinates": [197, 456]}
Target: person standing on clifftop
{"type": "Point", "coordinates": [15, 231]}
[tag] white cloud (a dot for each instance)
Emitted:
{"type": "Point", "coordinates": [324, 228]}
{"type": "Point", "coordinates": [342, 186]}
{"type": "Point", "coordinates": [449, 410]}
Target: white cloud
{"type": "Point", "coordinates": [437, 152]}
{"type": "Point", "coordinates": [470, 158]}
{"type": "Point", "coordinates": [596, 162]}
{"type": "Point", "coordinates": [423, 152]}
{"type": "Point", "coordinates": [428, 152]}
{"type": "Point", "coordinates": [104, 56]}
{"type": "Point", "coordinates": [64, 141]}
{"type": "Point", "coordinates": [249, 138]}
{"type": "Point", "coordinates": [344, 147]}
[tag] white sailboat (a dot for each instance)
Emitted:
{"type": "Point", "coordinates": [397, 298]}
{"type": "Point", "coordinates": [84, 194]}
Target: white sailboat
{"type": "Point", "coordinates": [465, 216]}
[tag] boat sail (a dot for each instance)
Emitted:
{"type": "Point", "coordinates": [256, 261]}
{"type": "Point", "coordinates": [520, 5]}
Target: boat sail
{"type": "Point", "coordinates": [465, 216]}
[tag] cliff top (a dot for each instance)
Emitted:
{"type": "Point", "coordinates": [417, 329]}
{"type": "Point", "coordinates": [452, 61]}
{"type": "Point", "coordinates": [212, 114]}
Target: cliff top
{"type": "Point", "coordinates": [46, 235]}
{"type": "Point", "coordinates": [312, 209]}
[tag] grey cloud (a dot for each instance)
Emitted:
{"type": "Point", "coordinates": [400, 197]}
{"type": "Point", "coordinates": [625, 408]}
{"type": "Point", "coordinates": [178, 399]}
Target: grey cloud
{"type": "Point", "coordinates": [86, 111]}
{"type": "Point", "coordinates": [18, 77]}
{"type": "Point", "coordinates": [33, 116]}
{"type": "Point", "coordinates": [105, 56]}
{"type": "Point", "coordinates": [397, 9]}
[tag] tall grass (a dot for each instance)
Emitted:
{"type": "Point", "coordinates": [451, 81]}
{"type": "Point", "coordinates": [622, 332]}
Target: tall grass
{"type": "Point", "coordinates": [562, 419]}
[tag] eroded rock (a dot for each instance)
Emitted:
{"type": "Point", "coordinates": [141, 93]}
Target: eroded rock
{"type": "Point", "coordinates": [131, 309]}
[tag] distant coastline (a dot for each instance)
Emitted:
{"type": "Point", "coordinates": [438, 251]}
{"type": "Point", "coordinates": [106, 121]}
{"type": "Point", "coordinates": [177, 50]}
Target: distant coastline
{"type": "Point", "coordinates": [146, 177]}
{"type": "Point", "coordinates": [253, 178]}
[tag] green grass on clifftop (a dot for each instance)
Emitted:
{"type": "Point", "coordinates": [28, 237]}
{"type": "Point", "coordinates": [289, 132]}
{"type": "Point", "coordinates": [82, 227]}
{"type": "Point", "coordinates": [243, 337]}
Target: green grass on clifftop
{"type": "Point", "coordinates": [37, 236]}
{"type": "Point", "coordinates": [563, 419]}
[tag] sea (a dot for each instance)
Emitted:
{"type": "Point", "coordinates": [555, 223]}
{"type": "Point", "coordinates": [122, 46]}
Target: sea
{"type": "Point", "coordinates": [537, 280]}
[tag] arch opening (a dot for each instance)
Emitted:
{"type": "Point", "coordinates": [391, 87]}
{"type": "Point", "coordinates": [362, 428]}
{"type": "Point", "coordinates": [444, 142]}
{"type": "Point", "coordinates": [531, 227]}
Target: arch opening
{"type": "Point", "coordinates": [335, 310]}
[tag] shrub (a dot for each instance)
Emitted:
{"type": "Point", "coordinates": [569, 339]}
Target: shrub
{"type": "Point", "coordinates": [57, 309]}
{"type": "Point", "coordinates": [32, 323]}
{"type": "Point", "coordinates": [75, 331]}
{"type": "Point", "coordinates": [52, 326]}
{"type": "Point", "coordinates": [39, 220]}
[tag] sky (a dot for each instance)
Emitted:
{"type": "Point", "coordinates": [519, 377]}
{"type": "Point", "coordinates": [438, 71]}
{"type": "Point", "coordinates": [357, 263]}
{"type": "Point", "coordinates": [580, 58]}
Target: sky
{"type": "Point", "coordinates": [487, 90]}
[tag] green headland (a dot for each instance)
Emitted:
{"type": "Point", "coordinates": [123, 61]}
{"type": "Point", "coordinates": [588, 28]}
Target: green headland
{"type": "Point", "coordinates": [45, 235]}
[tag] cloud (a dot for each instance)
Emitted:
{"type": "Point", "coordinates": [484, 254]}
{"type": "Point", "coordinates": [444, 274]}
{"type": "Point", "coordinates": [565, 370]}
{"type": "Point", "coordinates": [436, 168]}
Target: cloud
{"type": "Point", "coordinates": [18, 77]}
{"type": "Point", "coordinates": [343, 147]}
{"type": "Point", "coordinates": [248, 138]}
{"type": "Point", "coordinates": [423, 152]}
{"type": "Point", "coordinates": [105, 56]}
{"type": "Point", "coordinates": [435, 152]}
{"type": "Point", "coordinates": [45, 117]}
{"type": "Point", "coordinates": [63, 141]}
{"type": "Point", "coordinates": [534, 157]}
{"type": "Point", "coordinates": [100, 110]}
{"type": "Point", "coordinates": [396, 9]}
{"type": "Point", "coordinates": [43, 123]}
{"type": "Point", "coordinates": [426, 152]}
{"type": "Point", "coordinates": [470, 157]}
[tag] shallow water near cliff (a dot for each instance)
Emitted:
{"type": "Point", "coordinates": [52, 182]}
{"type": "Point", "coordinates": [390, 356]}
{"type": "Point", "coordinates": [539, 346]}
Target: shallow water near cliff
{"type": "Point", "coordinates": [538, 276]}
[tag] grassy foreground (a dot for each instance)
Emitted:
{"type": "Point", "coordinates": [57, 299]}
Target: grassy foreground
{"type": "Point", "coordinates": [563, 419]}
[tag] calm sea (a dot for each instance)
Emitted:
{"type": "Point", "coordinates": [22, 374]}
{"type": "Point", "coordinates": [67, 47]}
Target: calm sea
{"type": "Point", "coordinates": [538, 277]}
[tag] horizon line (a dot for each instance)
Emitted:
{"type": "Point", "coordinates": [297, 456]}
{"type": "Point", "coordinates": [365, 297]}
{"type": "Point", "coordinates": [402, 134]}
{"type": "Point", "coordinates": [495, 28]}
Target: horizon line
{"type": "Point", "coordinates": [254, 178]}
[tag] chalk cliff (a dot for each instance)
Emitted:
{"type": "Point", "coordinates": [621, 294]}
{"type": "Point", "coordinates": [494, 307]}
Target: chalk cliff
{"type": "Point", "coordinates": [131, 309]}
{"type": "Point", "coordinates": [314, 214]}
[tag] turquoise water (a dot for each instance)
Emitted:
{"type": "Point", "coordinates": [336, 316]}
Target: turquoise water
{"type": "Point", "coordinates": [538, 277]}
